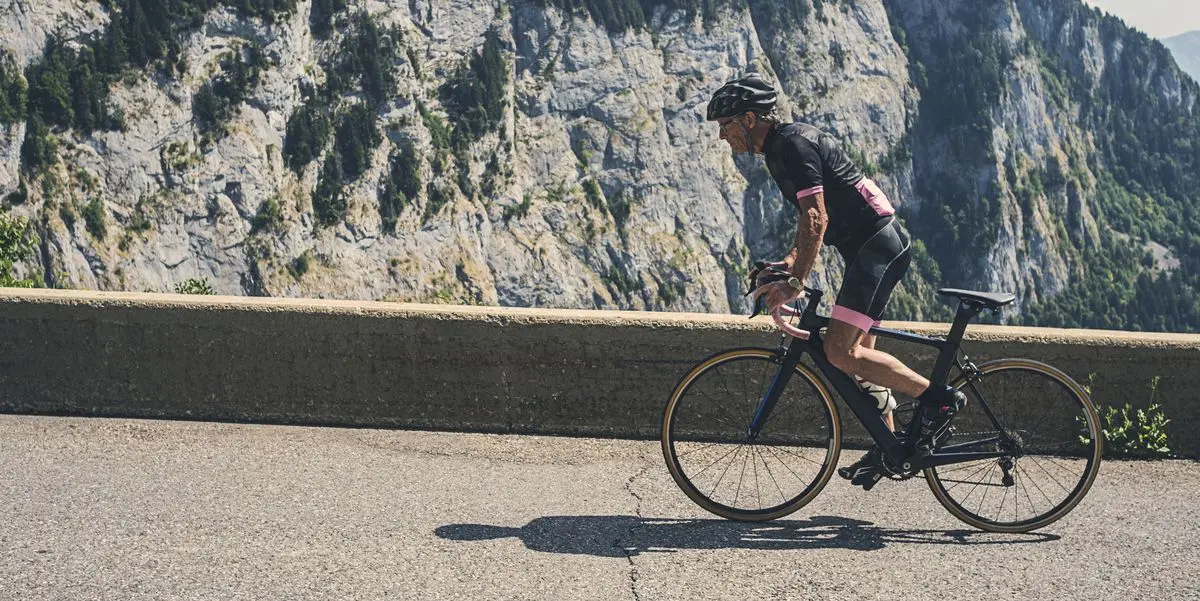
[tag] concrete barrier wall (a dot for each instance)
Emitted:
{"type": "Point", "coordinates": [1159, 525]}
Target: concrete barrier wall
{"type": "Point", "coordinates": [595, 373]}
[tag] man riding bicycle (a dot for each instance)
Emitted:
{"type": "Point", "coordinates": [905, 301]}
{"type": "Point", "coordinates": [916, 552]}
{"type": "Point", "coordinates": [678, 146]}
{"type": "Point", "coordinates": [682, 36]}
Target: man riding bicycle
{"type": "Point", "coordinates": [841, 208]}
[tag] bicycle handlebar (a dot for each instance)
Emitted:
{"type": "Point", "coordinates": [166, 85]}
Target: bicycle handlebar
{"type": "Point", "coordinates": [788, 328]}
{"type": "Point", "coordinates": [764, 273]}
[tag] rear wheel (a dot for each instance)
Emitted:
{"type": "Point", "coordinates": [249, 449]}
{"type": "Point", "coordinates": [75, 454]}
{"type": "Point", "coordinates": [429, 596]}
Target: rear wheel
{"type": "Point", "coordinates": [1051, 435]}
{"type": "Point", "coordinates": [708, 450]}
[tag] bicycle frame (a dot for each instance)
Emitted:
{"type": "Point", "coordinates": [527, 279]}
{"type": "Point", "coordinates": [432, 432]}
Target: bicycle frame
{"type": "Point", "coordinates": [862, 404]}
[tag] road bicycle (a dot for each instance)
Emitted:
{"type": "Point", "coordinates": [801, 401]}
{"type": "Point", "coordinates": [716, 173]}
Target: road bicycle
{"type": "Point", "coordinates": [753, 434]}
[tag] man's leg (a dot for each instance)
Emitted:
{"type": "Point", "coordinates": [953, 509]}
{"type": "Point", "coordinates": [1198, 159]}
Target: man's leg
{"type": "Point", "coordinates": [868, 342]}
{"type": "Point", "coordinates": [843, 346]}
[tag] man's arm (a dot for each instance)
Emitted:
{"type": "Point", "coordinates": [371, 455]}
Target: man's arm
{"type": "Point", "coordinates": [810, 231]}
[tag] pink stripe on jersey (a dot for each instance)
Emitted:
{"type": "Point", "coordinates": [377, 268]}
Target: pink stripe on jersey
{"type": "Point", "coordinates": [875, 197]}
{"type": "Point", "coordinates": [852, 317]}
{"type": "Point", "coordinates": [809, 191]}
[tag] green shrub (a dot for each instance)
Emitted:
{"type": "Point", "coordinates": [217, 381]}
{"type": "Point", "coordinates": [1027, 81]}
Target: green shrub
{"type": "Point", "coordinates": [93, 218]}
{"type": "Point", "coordinates": [595, 196]}
{"type": "Point", "coordinates": [269, 217]}
{"type": "Point", "coordinates": [1135, 433]}
{"type": "Point", "coordinates": [194, 286]}
{"type": "Point", "coordinates": [308, 131]}
{"type": "Point", "coordinates": [299, 266]}
{"type": "Point", "coordinates": [14, 92]}
{"type": "Point", "coordinates": [518, 211]}
{"type": "Point", "coordinates": [838, 54]}
{"type": "Point", "coordinates": [18, 242]}
{"type": "Point", "coordinates": [400, 186]}
{"type": "Point", "coordinates": [329, 204]}
{"type": "Point", "coordinates": [66, 212]}
{"type": "Point", "coordinates": [355, 141]}
{"type": "Point", "coordinates": [217, 100]}
{"type": "Point", "coordinates": [40, 148]}
{"type": "Point", "coordinates": [320, 20]}
{"type": "Point", "coordinates": [365, 61]}
{"type": "Point", "coordinates": [475, 96]}
{"type": "Point", "coordinates": [18, 196]}
{"type": "Point", "coordinates": [437, 198]}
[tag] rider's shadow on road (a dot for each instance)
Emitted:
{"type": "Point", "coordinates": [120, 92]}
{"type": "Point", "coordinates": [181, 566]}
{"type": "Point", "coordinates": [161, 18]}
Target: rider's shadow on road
{"type": "Point", "coordinates": [622, 535]}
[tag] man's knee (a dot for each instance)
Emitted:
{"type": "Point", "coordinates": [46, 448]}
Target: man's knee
{"type": "Point", "coordinates": [843, 354]}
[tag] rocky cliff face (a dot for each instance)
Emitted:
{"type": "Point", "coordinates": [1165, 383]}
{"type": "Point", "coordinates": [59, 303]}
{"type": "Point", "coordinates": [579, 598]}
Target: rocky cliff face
{"type": "Point", "coordinates": [600, 185]}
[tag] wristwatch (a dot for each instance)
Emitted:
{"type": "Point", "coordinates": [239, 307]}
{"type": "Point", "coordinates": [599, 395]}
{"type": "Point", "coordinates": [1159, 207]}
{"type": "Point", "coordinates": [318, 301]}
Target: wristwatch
{"type": "Point", "coordinates": [794, 282]}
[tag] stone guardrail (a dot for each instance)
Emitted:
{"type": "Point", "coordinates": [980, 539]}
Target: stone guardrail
{"type": "Point", "coordinates": [370, 364]}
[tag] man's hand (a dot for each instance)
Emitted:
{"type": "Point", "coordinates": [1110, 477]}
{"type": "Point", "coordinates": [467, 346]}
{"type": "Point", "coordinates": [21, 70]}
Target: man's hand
{"type": "Point", "coordinates": [777, 294]}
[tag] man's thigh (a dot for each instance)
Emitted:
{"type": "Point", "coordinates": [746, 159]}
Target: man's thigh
{"type": "Point", "coordinates": [841, 337]}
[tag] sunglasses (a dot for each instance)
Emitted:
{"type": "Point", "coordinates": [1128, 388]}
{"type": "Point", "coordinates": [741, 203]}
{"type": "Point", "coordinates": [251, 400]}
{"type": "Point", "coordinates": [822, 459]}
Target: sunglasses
{"type": "Point", "coordinates": [726, 124]}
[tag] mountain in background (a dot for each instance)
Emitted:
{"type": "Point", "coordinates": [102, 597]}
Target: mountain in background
{"type": "Point", "coordinates": [554, 153]}
{"type": "Point", "coordinates": [1186, 49]}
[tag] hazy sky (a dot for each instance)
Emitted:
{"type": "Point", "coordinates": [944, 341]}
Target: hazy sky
{"type": "Point", "coordinates": [1159, 18]}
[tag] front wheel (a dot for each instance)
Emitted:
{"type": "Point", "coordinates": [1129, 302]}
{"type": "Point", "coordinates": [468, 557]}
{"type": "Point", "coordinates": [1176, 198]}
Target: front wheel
{"type": "Point", "coordinates": [1050, 433]}
{"type": "Point", "coordinates": [712, 457]}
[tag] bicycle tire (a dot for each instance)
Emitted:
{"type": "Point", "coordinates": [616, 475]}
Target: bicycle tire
{"type": "Point", "coordinates": [685, 430]}
{"type": "Point", "coordinates": [1081, 446]}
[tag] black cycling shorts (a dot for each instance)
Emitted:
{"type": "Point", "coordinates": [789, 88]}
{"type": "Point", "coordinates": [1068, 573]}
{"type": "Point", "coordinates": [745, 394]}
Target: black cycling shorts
{"type": "Point", "coordinates": [872, 271]}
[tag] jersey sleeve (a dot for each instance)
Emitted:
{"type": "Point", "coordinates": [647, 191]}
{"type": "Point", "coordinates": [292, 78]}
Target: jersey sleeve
{"type": "Point", "coordinates": [806, 166]}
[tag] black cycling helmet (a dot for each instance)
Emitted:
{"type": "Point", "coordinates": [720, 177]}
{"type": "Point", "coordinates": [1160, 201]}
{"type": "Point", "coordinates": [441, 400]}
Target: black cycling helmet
{"type": "Point", "coordinates": [748, 93]}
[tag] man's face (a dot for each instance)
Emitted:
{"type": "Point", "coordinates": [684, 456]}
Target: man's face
{"type": "Point", "coordinates": [735, 131]}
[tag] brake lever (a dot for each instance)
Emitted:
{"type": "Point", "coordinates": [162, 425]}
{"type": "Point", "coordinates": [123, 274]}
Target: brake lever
{"type": "Point", "coordinates": [759, 266]}
{"type": "Point", "coordinates": [758, 308]}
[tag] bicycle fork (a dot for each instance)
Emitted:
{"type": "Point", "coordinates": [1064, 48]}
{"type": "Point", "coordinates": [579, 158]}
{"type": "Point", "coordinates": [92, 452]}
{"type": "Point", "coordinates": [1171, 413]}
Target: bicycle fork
{"type": "Point", "coordinates": [787, 366]}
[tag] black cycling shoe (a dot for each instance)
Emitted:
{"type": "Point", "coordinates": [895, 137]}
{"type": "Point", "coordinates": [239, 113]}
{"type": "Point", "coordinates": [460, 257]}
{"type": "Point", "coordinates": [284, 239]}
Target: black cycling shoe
{"type": "Point", "coordinates": [865, 472]}
{"type": "Point", "coordinates": [935, 421]}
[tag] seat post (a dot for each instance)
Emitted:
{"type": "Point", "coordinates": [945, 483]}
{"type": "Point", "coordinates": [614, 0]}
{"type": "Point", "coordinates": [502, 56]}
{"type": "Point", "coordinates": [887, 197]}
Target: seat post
{"type": "Point", "coordinates": [967, 311]}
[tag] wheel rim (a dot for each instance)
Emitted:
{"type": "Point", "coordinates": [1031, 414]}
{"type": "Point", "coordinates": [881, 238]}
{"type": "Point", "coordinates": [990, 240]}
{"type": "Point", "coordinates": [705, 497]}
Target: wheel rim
{"type": "Point", "coordinates": [714, 460]}
{"type": "Point", "coordinates": [1051, 432]}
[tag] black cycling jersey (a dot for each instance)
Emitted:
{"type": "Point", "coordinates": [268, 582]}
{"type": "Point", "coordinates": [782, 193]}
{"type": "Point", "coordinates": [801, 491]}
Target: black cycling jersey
{"type": "Point", "coordinates": [805, 160]}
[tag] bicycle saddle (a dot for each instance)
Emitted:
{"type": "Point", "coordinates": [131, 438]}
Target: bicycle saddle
{"type": "Point", "coordinates": [993, 300]}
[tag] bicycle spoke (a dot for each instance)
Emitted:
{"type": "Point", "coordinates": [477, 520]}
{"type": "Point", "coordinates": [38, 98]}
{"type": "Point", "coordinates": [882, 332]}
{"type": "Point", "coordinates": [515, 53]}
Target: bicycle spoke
{"type": "Point", "coordinates": [782, 497]}
{"type": "Point", "coordinates": [1039, 489]}
{"type": "Point", "coordinates": [1003, 498]}
{"type": "Point", "coordinates": [987, 485]}
{"type": "Point", "coordinates": [972, 482]}
{"type": "Point", "coordinates": [1017, 478]}
{"type": "Point", "coordinates": [802, 457]}
{"type": "Point", "coordinates": [975, 472]}
{"type": "Point", "coordinates": [686, 453]}
{"type": "Point", "coordinates": [1032, 507]}
{"type": "Point", "coordinates": [723, 416]}
{"type": "Point", "coordinates": [697, 474]}
{"type": "Point", "coordinates": [785, 465]}
{"type": "Point", "coordinates": [741, 477]}
{"type": "Point", "coordinates": [714, 488]}
{"type": "Point", "coordinates": [757, 488]}
{"type": "Point", "coordinates": [976, 487]}
{"type": "Point", "coordinates": [964, 466]}
{"type": "Point", "coordinates": [1057, 464]}
{"type": "Point", "coordinates": [1037, 463]}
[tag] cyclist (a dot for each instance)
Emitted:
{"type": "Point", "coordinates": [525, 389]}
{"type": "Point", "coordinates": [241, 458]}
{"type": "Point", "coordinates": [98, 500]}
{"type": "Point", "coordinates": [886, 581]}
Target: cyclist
{"type": "Point", "coordinates": [841, 208]}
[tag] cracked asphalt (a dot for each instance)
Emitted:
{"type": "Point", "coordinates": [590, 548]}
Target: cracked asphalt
{"type": "Point", "coordinates": [122, 509]}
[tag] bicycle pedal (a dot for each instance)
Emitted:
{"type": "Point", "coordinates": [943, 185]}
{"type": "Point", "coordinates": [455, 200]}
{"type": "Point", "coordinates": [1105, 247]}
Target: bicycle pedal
{"type": "Point", "coordinates": [868, 481]}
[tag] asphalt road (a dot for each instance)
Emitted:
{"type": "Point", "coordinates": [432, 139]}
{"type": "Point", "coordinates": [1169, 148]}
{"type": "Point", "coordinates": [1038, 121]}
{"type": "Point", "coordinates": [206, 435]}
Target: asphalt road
{"type": "Point", "coordinates": [118, 509]}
